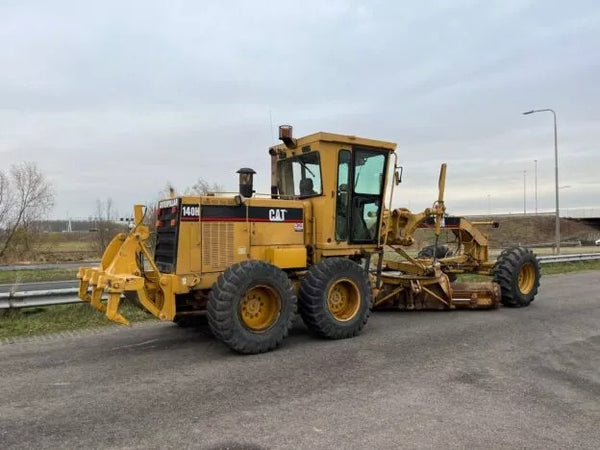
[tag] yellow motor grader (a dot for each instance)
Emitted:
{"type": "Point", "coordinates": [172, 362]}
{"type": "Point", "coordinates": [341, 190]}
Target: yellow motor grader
{"type": "Point", "coordinates": [322, 242]}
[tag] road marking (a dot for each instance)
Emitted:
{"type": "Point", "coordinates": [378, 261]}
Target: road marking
{"type": "Point", "coordinates": [134, 345]}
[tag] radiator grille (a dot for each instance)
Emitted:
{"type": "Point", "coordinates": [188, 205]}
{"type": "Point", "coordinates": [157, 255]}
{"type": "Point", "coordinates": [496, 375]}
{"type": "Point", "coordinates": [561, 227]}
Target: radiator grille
{"type": "Point", "coordinates": [165, 250]}
{"type": "Point", "coordinates": [217, 245]}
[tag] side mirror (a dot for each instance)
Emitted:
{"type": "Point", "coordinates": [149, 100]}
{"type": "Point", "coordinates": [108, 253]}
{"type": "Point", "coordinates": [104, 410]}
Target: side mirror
{"type": "Point", "coordinates": [398, 175]}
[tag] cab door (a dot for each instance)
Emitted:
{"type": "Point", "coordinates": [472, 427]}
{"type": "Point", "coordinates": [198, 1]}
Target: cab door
{"type": "Point", "coordinates": [360, 183]}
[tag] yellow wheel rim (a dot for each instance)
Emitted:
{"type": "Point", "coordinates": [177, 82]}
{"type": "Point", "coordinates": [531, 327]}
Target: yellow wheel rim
{"type": "Point", "coordinates": [526, 279]}
{"type": "Point", "coordinates": [260, 308]}
{"type": "Point", "coordinates": [343, 300]}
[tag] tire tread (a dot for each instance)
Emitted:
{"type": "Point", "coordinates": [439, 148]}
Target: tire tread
{"type": "Point", "coordinates": [506, 272]}
{"type": "Point", "coordinates": [312, 301]}
{"type": "Point", "coordinates": [223, 304]}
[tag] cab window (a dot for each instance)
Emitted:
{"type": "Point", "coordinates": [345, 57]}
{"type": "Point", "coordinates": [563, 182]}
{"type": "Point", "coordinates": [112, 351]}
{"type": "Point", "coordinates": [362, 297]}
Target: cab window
{"type": "Point", "coordinates": [300, 176]}
{"type": "Point", "coordinates": [368, 173]}
{"type": "Point", "coordinates": [367, 187]}
{"type": "Point", "coordinates": [342, 205]}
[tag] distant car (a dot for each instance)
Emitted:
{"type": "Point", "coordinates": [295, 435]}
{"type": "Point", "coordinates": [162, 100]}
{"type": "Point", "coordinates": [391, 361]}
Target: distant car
{"type": "Point", "coordinates": [597, 241]}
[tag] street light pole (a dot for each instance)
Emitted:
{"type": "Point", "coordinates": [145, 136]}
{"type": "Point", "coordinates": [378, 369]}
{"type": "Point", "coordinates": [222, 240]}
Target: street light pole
{"type": "Point", "coordinates": [557, 213]}
{"type": "Point", "coordinates": [524, 192]}
{"type": "Point", "coordinates": [536, 208]}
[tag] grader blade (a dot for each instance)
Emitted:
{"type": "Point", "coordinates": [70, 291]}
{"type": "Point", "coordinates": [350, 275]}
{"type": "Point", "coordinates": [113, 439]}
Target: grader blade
{"type": "Point", "coordinates": [414, 292]}
{"type": "Point", "coordinates": [476, 295]}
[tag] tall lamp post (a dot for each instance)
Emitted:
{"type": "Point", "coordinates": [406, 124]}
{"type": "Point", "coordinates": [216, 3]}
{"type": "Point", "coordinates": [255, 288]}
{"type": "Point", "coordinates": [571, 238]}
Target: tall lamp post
{"type": "Point", "coordinates": [536, 210]}
{"type": "Point", "coordinates": [557, 220]}
{"type": "Point", "coordinates": [524, 192]}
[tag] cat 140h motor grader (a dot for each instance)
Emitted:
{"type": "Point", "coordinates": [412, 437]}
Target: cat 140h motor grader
{"type": "Point", "coordinates": [322, 243]}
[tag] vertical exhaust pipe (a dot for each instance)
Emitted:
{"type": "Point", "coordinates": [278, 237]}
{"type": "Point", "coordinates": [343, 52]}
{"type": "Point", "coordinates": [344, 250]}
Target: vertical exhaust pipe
{"type": "Point", "coordinates": [246, 182]}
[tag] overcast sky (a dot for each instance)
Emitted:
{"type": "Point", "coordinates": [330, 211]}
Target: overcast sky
{"type": "Point", "coordinates": [114, 99]}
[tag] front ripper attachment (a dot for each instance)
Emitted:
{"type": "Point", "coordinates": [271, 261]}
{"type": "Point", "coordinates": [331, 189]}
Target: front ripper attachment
{"type": "Point", "coordinates": [119, 271]}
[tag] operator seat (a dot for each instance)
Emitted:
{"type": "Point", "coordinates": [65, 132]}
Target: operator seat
{"type": "Point", "coordinates": [306, 187]}
{"type": "Point", "coordinates": [360, 230]}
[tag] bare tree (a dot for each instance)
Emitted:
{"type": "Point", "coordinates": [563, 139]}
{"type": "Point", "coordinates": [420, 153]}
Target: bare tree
{"type": "Point", "coordinates": [5, 199]}
{"type": "Point", "coordinates": [25, 196]}
{"type": "Point", "coordinates": [168, 191]}
{"type": "Point", "coordinates": [105, 224]}
{"type": "Point", "coordinates": [203, 187]}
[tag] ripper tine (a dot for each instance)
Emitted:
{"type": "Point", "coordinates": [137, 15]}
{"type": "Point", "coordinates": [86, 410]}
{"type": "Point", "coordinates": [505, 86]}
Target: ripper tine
{"type": "Point", "coordinates": [96, 298]}
{"type": "Point", "coordinates": [112, 307]}
{"type": "Point", "coordinates": [84, 275]}
{"type": "Point", "coordinates": [83, 291]}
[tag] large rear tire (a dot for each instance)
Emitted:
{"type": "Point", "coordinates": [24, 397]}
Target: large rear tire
{"type": "Point", "coordinates": [251, 307]}
{"type": "Point", "coordinates": [517, 271]}
{"type": "Point", "coordinates": [335, 298]}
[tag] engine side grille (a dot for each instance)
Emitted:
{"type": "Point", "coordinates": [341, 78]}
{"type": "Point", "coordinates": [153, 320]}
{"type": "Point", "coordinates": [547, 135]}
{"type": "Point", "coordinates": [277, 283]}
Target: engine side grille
{"type": "Point", "coordinates": [217, 245]}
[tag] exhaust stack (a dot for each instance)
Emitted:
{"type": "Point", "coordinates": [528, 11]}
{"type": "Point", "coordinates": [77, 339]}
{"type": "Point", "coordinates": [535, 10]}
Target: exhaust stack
{"type": "Point", "coordinates": [246, 182]}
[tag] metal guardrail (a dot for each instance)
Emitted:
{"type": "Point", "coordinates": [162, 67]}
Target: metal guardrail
{"type": "Point", "coordinates": [568, 258]}
{"type": "Point", "coordinates": [45, 266]}
{"type": "Point", "coordinates": [27, 299]}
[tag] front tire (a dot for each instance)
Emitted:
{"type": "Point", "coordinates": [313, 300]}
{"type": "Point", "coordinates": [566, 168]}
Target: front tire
{"type": "Point", "coordinates": [335, 298]}
{"type": "Point", "coordinates": [251, 307]}
{"type": "Point", "coordinates": [517, 271]}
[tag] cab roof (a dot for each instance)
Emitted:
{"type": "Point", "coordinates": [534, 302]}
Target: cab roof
{"type": "Point", "coordinates": [322, 136]}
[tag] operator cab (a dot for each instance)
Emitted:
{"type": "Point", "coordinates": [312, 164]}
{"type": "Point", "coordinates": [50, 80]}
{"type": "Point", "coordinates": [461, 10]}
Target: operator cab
{"type": "Point", "coordinates": [345, 175]}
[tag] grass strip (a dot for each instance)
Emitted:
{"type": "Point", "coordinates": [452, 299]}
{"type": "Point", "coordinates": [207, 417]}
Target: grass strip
{"type": "Point", "coordinates": [568, 267]}
{"type": "Point", "coordinates": [37, 275]}
{"type": "Point", "coordinates": [54, 319]}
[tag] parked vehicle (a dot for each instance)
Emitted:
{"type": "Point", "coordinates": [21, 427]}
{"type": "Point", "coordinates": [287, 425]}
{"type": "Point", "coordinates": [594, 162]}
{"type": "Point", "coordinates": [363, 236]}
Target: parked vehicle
{"type": "Point", "coordinates": [315, 243]}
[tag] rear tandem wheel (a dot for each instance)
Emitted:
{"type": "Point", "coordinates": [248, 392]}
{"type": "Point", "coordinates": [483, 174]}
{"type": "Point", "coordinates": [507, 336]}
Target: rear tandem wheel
{"type": "Point", "coordinates": [335, 298]}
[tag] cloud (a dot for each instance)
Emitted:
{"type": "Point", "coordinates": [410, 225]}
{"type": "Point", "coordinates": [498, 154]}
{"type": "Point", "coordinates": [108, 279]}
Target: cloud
{"type": "Point", "coordinates": [113, 99]}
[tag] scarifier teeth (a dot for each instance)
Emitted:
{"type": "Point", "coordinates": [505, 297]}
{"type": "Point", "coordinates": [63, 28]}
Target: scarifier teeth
{"type": "Point", "coordinates": [84, 275]}
{"type": "Point", "coordinates": [92, 283]}
{"type": "Point", "coordinates": [112, 308]}
{"type": "Point", "coordinates": [83, 291]}
{"type": "Point", "coordinates": [96, 298]}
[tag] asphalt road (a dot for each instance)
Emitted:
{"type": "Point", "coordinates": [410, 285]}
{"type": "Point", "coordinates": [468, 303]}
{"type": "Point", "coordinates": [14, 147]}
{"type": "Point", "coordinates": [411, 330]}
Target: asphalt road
{"type": "Point", "coordinates": [526, 378]}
